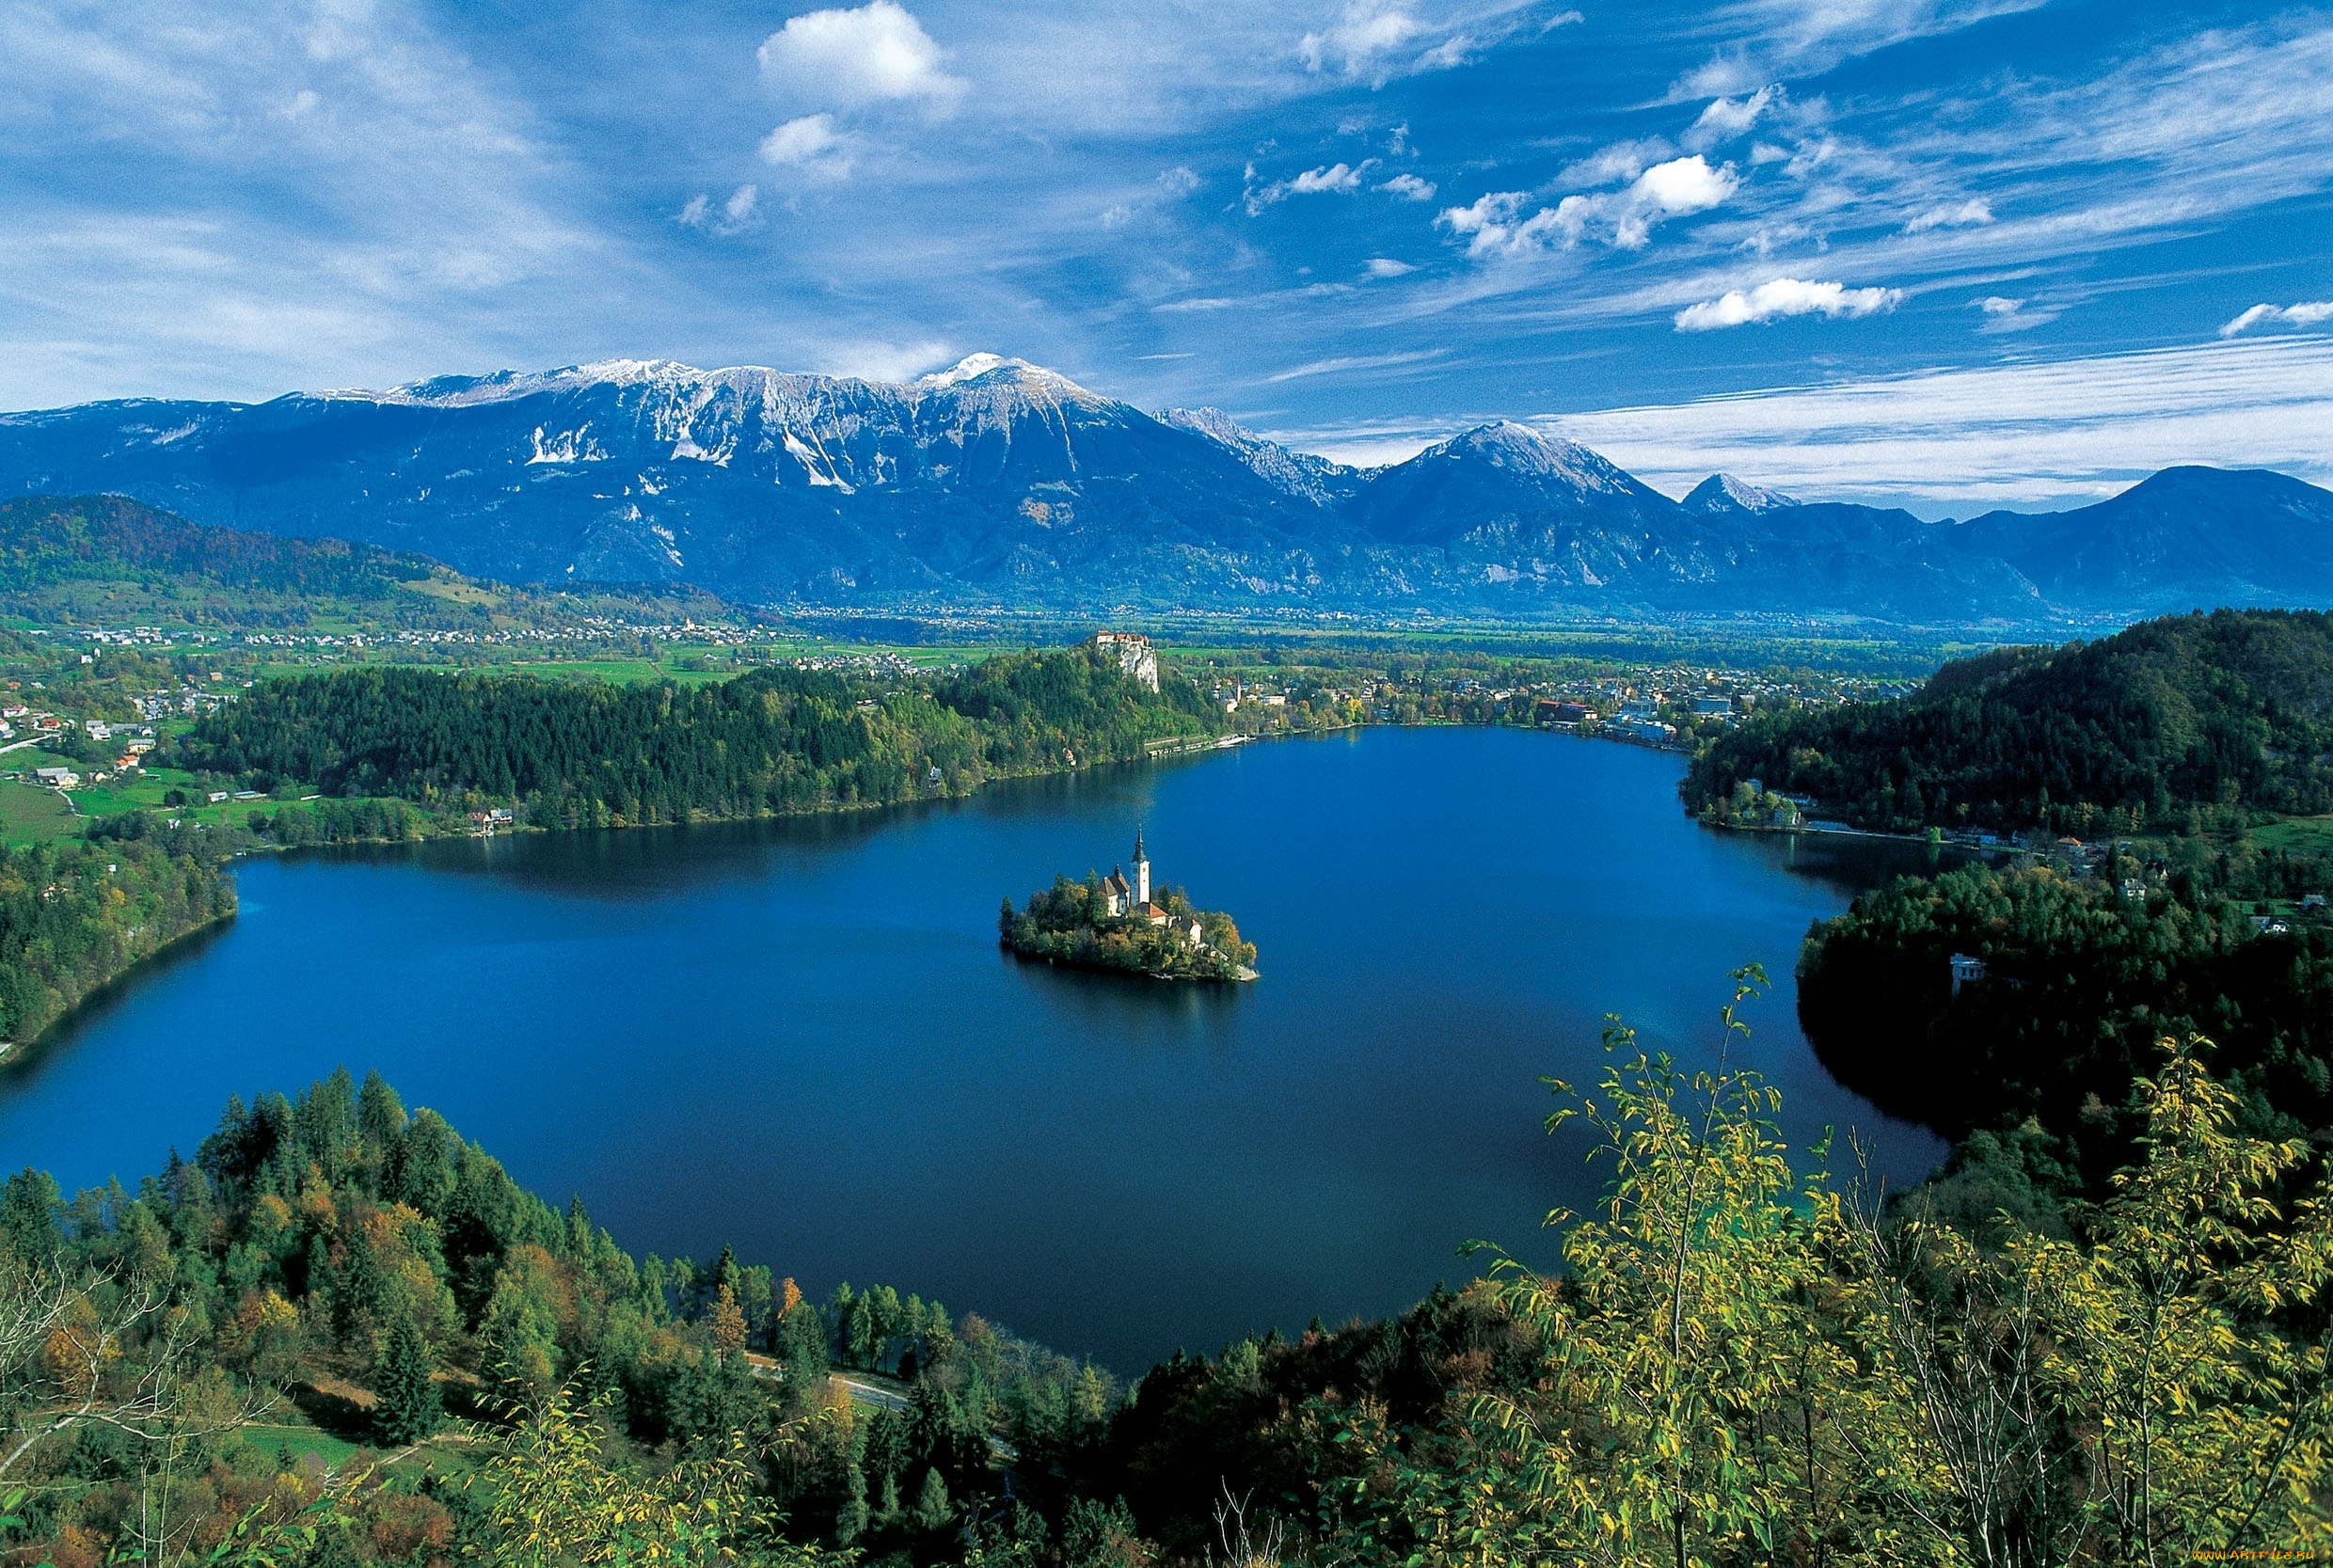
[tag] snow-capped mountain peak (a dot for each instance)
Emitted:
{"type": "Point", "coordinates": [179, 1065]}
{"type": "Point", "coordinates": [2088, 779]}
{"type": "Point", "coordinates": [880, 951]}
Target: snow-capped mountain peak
{"type": "Point", "coordinates": [1720, 492]}
{"type": "Point", "coordinates": [1523, 449]}
{"type": "Point", "coordinates": [977, 366]}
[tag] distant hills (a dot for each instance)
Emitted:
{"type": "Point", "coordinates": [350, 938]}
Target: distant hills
{"type": "Point", "coordinates": [998, 483]}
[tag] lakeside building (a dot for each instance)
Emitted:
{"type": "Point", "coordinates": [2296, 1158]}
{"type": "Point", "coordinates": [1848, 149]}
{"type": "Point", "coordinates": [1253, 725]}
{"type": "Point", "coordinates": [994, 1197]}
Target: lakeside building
{"type": "Point", "coordinates": [1966, 970]}
{"type": "Point", "coordinates": [1131, 899]}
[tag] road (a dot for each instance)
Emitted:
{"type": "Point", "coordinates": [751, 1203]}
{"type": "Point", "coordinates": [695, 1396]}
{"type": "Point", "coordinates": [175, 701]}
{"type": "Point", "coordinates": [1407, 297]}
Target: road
{"type": "Point", "coordinates": [870, 1394]}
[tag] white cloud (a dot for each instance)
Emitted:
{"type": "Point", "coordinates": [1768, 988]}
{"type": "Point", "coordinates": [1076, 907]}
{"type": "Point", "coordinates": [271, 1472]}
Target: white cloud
{"type": "Point", "coordinates": [1684, 185]}
{"type": "Point", "coordinates": [1337, 178]}
{"type": "Point", "coordinates": [1494, 225]}
{"type": "Point", "coordinates": [883, 361]}
{"type": "Point", "coordinates": [1728, 118]}
{"type": "Point", "coordinates": [1359, 38]}
{"type": "Point", "coordinates": [1385, 266]}
{"type": "Point", "coordinates": [2308, 313]}
{"type": "Point", "coordinates": [1331, 180]}
{"type": "Point", "coordinates": [2010, 315]}
{"type": "Point", "coordinates": [1624, 160]}
{"type": "Point", "coordinates": [1179, 181]}
{"type": "Point", "coordinates": [1974, 213]}
{"type": "Point", "coordinates": [1410, 187]}
{"type": "Point", "coordinates": [1784, 296]}
{"type": "Point", "coordinates": [876, 54]}
{"type": "Point", "coordinates": [810, 144]}
{"type": "Point", "coordinates": [742, 211]}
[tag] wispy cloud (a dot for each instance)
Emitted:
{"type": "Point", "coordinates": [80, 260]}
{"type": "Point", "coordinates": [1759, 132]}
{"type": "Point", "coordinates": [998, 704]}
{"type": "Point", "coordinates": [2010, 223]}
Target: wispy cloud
{"type": "Point", "coordinates": [810, 144]}
{"type": "Point", "coordinates": [1728, 118]}
{"type": "Point", "coordinates": [1346, 364]}
{"type": "Point", "coordinates": [1375, 40]}
{"type": "Point", "coordinates": [1328, 180]}
{"type": "Point", "coordinates": [1409, 187]}
{"type": "Point", "coordinates": [2011, 435]}
{"type": "Point", "coordinates": [1971, 213]}
{"type": "Point", "coordinates": [1782, 297]}
{"type": "Point", "coordinates": [1762, 41]}
{"type": "Point", "coordinates": [741, 212]}
{"type": "Point", "coordinates": [2307, 313]}
{"type": "Point", "coordinates": [1494, 225]}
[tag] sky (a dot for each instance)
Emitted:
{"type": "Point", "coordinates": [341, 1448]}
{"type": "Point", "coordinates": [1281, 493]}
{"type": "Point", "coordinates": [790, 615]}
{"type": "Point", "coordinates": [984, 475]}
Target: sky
{"type": "Point", "coordinates": [1947, 254]}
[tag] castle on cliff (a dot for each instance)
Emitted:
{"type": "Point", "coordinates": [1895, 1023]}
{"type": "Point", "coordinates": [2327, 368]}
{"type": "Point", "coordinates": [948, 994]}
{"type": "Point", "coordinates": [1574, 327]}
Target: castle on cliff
{"type": "Point", "coordinates": [1134, 653]}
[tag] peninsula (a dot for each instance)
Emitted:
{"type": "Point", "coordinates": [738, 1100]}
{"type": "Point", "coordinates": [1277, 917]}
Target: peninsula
{"type": "Point", "coordinates": [1115, 923]}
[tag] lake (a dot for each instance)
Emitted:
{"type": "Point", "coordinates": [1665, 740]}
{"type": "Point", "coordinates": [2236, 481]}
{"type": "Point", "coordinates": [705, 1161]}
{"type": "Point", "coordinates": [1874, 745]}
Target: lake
{"type": "Point", "coordinates": [802, 1039]}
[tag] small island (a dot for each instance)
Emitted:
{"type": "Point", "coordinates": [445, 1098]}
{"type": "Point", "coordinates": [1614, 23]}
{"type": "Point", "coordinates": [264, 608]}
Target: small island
{"type": "Point", "coordinates": [1114, 923]}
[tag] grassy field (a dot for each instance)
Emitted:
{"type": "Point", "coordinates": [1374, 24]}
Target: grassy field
{"type": "Point", "coordinates": [32, 814]}
{"type": "Point", "coordinates": [2297, 835]}
{"type": "Point", "coordinates": [301, 1440]}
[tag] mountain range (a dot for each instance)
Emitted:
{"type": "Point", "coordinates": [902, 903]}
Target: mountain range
{"type": "Point", "coordinates": [1000, 484]}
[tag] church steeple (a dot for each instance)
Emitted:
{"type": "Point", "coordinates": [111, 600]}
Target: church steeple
{"type": "Point", "coordinates": [1142, 870]}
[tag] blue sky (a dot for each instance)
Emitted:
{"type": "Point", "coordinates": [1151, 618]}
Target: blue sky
{"type": "Point", "coordinates": [1948, 253]}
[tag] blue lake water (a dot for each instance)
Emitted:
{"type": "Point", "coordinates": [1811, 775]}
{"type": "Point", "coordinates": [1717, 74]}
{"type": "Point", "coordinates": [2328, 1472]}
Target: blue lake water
{"type": "Point", "coordinates": [802, 1039]}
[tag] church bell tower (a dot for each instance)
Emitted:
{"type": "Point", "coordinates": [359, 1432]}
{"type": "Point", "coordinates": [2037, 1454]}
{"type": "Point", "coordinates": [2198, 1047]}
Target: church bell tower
{"type": "Point", "coordinates": [1142, 871]}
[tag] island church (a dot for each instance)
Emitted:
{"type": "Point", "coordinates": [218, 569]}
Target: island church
{"type": "Point", "coordinates": [1121, 897]}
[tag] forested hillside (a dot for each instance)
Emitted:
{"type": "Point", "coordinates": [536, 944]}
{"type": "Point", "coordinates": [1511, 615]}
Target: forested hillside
{"type": "Point", "coordinates": [774, 741]}
{"type": "Point", "coordinates": [1741, 1363]}
{"type": "Point", "coordinates": [2169, 725]}
{"type": "Point", "coordinates": [73, 916]}
{"type": "Point", "coordinates": [2081, 978]}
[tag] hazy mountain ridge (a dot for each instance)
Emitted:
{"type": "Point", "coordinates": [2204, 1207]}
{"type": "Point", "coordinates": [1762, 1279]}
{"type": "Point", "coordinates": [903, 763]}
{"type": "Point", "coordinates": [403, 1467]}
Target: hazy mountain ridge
{"type": "Point", "coordinates": [999, 483]}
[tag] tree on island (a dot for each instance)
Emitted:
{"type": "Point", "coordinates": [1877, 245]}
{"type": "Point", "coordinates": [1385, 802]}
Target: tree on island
{"type": "Point", "coordinates": [1071, 922]}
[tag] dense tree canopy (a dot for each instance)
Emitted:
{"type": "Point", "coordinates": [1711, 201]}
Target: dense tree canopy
{"type": "Point", "coordinates": [2081, 977]}
{"type": "Point", "coordinates": [74, 916]}
{"type": "Point", "coordinates": [1071, 922]}
{"type": "Point", "coordinates": [773, 741]}
{"type": "Point", "coordinates": [2159, 725]}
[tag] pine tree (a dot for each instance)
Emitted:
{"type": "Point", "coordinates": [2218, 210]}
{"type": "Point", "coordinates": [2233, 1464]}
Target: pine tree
{"type": "Point", "coordinates": [409, 1407]}
{"type": "Point", "coordinates": [851, 1522]}
{"type": "Point", "coordinates": [932, 1507]}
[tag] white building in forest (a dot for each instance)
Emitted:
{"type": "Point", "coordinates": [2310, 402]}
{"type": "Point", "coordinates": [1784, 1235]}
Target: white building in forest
{"type": "Point", "coordinates": [1126, 898]}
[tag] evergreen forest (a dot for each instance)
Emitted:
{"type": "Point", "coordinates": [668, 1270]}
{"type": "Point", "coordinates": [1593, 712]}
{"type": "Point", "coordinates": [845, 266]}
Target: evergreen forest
{"type": "Point", "coordinates": [2180, 724]}
{"type": "Point", "coordinates": [774, 741]}
{"type": "Point", "coordinates": [75, 915]}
